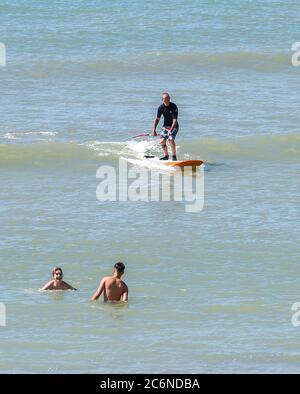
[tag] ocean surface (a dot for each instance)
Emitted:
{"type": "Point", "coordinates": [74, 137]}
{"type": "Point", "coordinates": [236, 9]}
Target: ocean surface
{"type": "Point", "coordinates": [209, 291]}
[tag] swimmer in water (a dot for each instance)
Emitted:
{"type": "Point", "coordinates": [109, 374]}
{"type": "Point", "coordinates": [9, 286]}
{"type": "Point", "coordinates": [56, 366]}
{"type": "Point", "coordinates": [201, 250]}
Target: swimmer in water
{"type": "Point", "coordinates": [57, 283]}
{"type": "Point", "coordinates": [112, 287]}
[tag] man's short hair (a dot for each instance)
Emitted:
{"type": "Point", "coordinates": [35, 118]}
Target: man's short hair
{"type": "Point", "coordinates": [119, 266]}
{"type": "Point", "coordinates": [165, 93]}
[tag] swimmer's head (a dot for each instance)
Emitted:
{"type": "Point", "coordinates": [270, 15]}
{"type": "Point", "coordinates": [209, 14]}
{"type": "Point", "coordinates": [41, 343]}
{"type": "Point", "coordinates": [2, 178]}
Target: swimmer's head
{"type": "Point", "coordinates": [57, 273]}
{"type": "Point", "coordinates": [119, 268]}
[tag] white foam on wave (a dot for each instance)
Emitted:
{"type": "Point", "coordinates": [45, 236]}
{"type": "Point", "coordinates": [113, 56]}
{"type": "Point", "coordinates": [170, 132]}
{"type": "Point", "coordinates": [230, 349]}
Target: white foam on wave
{"type": "Point", "coordinates": [151, 163]}
{"type": "Point", "coordinates": [104, 148]}
{"type": "Point", "coordinates": [19, 135]}
{"type": "Point", "coordinates": [129, 149]}
{"type": "Point", "coordinates": [10, 136]}
{"type": "Point", "coordinates": [132, 151]}
{"type": "Point", "coordinates": [141, 147]}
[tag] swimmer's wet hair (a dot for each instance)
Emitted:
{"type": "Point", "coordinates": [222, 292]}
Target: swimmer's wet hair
{"type": "Point", "coordinates": [119, 266]}
{"type": "Point", "coordinates": [57, 269]}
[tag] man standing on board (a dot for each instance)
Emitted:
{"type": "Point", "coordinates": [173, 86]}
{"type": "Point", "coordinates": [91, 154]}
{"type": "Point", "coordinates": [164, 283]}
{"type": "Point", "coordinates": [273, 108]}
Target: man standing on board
{"type": "Point", "coordinates": [170, 128]}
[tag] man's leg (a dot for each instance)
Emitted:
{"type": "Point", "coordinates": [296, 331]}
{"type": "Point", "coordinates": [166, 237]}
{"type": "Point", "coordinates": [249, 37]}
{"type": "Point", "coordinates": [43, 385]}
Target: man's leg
{"type": "Point", "coordinates": [172, 143]}
{"type": "Point", "coordinates": [165, 149]}
{"type": "Point", "coordinates": [173, 147]}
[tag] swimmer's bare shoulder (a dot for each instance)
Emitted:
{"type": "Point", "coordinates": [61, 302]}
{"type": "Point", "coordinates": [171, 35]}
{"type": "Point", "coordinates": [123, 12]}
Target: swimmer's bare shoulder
{"type": "Point", "coordinates": [66, 286]}
{"type": "Point", "coordinates": [48, 286]}
{"type": "Point", "coordinates": [57, 283]}
{"type": "Point", "coordinates": [63, 286]}
{"type": "Point", "coordinates": [112, 287]}
{"type": "Point", "coordinates": [116, 286]}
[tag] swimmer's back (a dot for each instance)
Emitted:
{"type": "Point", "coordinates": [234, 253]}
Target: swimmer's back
{"type": "Point", "coordinates": [115, 288]}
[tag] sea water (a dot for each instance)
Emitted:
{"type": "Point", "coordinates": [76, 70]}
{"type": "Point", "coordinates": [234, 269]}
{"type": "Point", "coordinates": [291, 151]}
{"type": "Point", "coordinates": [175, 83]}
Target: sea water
{"type": "Point", "coordinates": [209, 291]}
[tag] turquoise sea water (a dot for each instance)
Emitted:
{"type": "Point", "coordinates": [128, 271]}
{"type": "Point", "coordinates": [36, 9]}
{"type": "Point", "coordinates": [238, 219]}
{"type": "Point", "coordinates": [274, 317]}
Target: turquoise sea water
{"type": "Point", "coordinates": [210, 291]}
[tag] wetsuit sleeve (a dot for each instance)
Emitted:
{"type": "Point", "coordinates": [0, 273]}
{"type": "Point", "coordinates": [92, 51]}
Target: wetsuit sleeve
{"type": "Point", "coordinates": [175, 112]}
{"type": "Point", "coordinates": [159, 112]}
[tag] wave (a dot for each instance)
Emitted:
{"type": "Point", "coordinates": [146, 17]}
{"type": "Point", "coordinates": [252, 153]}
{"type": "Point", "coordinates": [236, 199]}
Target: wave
{"type": "Point", "coordinates": [284, 147]}
{"type": "Point", "coordinates": [55, 153]}
{"type": "Point", "coordinates": [280, 147]}
{"type": "Point", "coordinates": [259, 61]}
{"type": "Point", "coordinates": [41, 154]}
{"type": "Point", "coordinates": [160, 61]}
{"type": "Point", "coordinates": [29, 134]}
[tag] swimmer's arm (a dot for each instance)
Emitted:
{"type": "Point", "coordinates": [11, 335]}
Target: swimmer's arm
{"type": "Point", "coordinates": [69, 287]}
{"type": "Point", "coordinates": [125, 295]}
{"type": "Point", "coordinates": [99, 290]}
{"type": "Point", "coordinates": [47, 286]}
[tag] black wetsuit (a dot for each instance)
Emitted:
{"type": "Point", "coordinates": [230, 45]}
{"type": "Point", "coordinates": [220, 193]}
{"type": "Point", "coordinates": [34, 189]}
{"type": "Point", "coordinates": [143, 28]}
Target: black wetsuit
{"type": "Point", "coordinates": [169, 113]}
